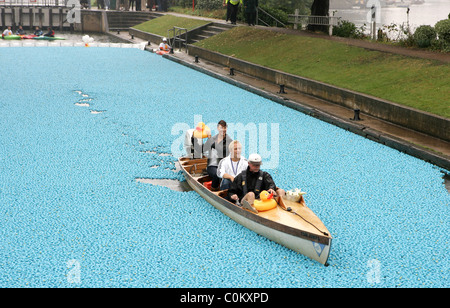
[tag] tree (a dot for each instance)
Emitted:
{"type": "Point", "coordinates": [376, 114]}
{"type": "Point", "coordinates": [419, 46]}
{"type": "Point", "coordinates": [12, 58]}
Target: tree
{"type": "Point", "coordinates": [319, 8]}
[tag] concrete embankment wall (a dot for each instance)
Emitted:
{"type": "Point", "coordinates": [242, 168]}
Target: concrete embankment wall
{"type": "Point", "coordinates": [423, 122]}
{"type": "Point", "coordinates": [55, 17]}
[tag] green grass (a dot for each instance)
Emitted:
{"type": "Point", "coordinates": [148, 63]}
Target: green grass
{"type": "Point", "coordinates": [418, 83]}
{"type": "Point", "coordinates": [161, 24]}
{"type": "Point", "coordinates": [218, 14]}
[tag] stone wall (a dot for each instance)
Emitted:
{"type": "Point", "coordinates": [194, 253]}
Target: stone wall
{"type": "Point", "coordinates": [417, 120]}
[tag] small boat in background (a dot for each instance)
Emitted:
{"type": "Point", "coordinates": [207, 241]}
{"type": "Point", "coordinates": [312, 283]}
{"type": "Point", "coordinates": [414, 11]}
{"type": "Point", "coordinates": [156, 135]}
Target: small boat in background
{"type": "Point", "coordinates": [11, 37]}
{"type": "Point", "coordinates": [48, 38]}
{"type": "Point", "coordinates": [28, 36]}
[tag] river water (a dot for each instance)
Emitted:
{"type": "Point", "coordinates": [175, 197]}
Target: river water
{"type": "Point", "coordinates": [428, 13]}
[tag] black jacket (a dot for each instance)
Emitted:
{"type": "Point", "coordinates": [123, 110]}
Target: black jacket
{"type": "Point", "coordinates": [216, 151]}
{"type": "Point", "coordinates": [237, 187]}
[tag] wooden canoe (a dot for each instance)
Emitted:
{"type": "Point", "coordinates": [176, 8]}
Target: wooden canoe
{"type": "Point", "coordinates": [297, 228]}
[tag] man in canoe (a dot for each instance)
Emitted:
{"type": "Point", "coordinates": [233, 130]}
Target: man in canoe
{"type": "Point", "coordinates": [247, 186]}
{"type": "Point", "coordinates": [7, 31]}
{"type": "Point", "coordinates": [50, 32]}
{"type": "Point", "coordinates": [164, 46]}
{"type": "Point", "coordinates": [38, 31]}
{"type": "Point", "coordinates": [232, 165]}
{"type": "Point", "coordinates": [20, 31]}
{"type": "Point", "coordinates": [216, 148]}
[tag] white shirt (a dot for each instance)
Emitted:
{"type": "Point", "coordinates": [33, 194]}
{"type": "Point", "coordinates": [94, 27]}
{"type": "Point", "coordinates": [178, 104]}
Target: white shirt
{"type": "Point", "coordinates": [226, 165]}
{"type": "Point", "coordinates": [164, 46]}
{"type": "Point", "coordinates": [7, 32]}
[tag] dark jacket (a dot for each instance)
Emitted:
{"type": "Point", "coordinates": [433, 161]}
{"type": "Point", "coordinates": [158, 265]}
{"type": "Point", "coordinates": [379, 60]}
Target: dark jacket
{"type": "Point", "coordinates": [250, 6]}
{"type": "Point", "coordinates": [215, 151]}
{"type": "Point", "coordinates": [237, 187]}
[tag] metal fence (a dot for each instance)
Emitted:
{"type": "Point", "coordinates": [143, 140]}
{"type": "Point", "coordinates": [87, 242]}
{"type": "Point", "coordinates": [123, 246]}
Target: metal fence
{"type": "Point", "coordinates": [304, 20]}
{"type": "Point", "coordinates": [27, 3]}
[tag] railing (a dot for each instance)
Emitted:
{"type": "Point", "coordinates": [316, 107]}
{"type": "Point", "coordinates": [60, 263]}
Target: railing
{"type": "Point", "coordinates": [260, 10]}
{"type": "Point", "coordinates": [304, 20]}
{"type": "Point", "coordinates": [178, 37]}
{"type": "Point", "coordinates": [25, 3]}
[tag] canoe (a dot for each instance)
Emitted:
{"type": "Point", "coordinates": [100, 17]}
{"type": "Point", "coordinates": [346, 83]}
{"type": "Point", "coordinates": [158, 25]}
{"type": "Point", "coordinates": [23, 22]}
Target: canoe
{"type": "Point", "coordinates": [48, 38]}
{"type": "Point", "coordinates": [29, 36]}
{"type": "Point", "coordinates": [12, 37]}
{"type": "Point", "coordinates": [291, 224]}
{"type": "Point", "coordinates": [162, 52]}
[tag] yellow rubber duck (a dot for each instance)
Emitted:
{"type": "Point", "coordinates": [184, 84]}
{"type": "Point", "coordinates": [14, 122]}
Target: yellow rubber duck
{"type": "Point", "coordinates": [201, 131]}
{"type": "Point", "coordinates": [266, 203]}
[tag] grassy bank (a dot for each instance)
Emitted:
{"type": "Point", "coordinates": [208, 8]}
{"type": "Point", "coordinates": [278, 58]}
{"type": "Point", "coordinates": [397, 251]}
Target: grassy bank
{"type": "Point", "coordinates": [414, 82]}
{"type": "Point", "coordinates": [160, 25]}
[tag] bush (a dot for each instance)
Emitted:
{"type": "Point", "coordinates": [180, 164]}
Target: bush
{"type": "Point", "coordinates": [424, 36]}
{"type": "Point", "coordinates": [182, 3]}
{"type": "Point", "coordinates": [443, 31]}
{"type": "Point", "coordinates": [208, 5]}
{"type": "Point", "coordinates": [347, 29]}
{"type": "Point", "coordinates": [279, 13]}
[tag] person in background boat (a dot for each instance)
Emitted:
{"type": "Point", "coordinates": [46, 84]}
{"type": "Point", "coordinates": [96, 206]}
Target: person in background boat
{"type": "Point", "coordinates": [38, 31]}
{"type": "Point", "coordinates": [164, 46]}
{"type": "Point", "coordinates": [20, 31]}
{"type": "Point", "coordinates": [50, 32]}
{"type": "Point", "coordinates": [215, 149]}
{"type": "Point", "coordinates": [232, 165]}
{"type": "Point", "coordinates": [7, 32]}
{"type": "Point", "coordinates": [247, 186]}
{"type": "Point", "coordinates": [193, 146]}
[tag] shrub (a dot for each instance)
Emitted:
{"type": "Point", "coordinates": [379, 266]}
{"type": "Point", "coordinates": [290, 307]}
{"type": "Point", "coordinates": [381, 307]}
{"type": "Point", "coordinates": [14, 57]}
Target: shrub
{"type": "Point", "coordinates": [348, 29]}
{"type": "Point", "coordinates": [344, 29]}
{"type": "Point", "coordinates": [182, 3]}
{"type": "Point", "coordinates": [424, 36]}
{"type": "Point", "coordinates": [209, 5]}
{"type": "Point", "coordinates": [443, 31]}
{"type": "Point", "coordinates": [279, 13]}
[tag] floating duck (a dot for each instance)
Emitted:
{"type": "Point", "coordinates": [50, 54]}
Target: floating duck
{"type": "Point", "coordinates": [266, 203]}
{"type": "Point", "coordinates": [201, 131]}
{"type": "Point", "coordinates": [87, 39]}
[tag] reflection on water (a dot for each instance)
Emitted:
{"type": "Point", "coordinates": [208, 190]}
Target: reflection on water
{"type": "Point", "coordinates": [446, 178]}
{"type": "Point", "coordinates": [428, 13]}
{"type": "Point", "coordinates": [172, 184]}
